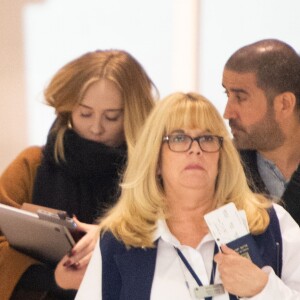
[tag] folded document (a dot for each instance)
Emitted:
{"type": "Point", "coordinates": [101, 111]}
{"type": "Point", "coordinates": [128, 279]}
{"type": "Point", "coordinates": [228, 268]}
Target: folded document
{"type": "Point", "coordinates": [229, 226]}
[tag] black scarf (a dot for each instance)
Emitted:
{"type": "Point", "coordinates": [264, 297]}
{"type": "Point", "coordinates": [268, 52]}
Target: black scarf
{"type": "Point", "coordinates": [86, 184]}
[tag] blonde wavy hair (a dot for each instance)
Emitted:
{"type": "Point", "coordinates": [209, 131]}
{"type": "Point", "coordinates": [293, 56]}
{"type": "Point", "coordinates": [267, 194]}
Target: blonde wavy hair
{"type": "Point", "coordinates": [69, 85]}
{"type": "Point", "coordinates": [142, 201]}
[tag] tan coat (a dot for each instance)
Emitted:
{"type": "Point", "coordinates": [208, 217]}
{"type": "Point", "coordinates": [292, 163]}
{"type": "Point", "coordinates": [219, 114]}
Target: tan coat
{"type": "Point", "coordinates": [16, 186]}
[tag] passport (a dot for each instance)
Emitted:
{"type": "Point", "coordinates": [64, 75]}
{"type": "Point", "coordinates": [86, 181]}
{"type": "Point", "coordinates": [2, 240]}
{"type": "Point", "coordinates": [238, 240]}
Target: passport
{"type": "Point", "coordinates": [247, 247]}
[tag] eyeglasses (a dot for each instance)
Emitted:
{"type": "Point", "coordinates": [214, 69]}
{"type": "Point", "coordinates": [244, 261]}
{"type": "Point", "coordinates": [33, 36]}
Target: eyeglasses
{"type": "Point", "coordinates": [183, 142]}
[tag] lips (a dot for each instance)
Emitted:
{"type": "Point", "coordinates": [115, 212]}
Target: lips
{"type": "Point", "coordinates": [235, 129]}
{"type": "Point", "coordinates": [234, 126]}
{"type": "Point", "coordinates": [193, 167]}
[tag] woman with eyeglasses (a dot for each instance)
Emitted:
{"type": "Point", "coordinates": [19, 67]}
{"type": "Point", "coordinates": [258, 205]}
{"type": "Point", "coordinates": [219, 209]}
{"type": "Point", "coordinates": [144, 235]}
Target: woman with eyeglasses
{"type": "Point", "coordinates": [101, 100]}
{"type": "Point", "coordinates": [155, 243]}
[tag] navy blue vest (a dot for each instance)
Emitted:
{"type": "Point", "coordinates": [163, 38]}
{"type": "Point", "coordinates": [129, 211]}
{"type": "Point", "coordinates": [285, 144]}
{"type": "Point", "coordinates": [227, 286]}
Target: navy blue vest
{"type": "Point", "coordinates": [128, 273]}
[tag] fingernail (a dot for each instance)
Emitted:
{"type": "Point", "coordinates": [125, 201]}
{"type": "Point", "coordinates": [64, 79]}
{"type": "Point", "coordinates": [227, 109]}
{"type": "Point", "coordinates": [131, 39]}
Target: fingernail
{"type": "Point", "coordinates": [67, 263]}
{"type": "Point", "coordinates": [71, 253]}
{"type": "Point", "coordinates": [75, 265]}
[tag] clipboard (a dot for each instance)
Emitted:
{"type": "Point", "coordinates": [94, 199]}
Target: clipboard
{"type": "Point", "coordinates": [40, 238]}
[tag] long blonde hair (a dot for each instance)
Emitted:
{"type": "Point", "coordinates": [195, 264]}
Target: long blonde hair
{"type": "Point", "coordinates": [142, 202]}
{"type": "Point", "coordinates": [69, 84]}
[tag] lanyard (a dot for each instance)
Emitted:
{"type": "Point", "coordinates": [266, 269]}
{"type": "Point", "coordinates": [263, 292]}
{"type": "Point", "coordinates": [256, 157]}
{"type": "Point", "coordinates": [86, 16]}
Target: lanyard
{"type": "Point", "coordinates": [190, 269]}
{"type": "Point", "coordinates": [197, 279]}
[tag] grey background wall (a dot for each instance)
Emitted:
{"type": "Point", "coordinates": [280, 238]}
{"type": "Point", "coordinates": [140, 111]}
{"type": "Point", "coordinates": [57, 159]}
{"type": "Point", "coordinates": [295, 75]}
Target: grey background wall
{"type": "Point", "coordinates": [183, 45]}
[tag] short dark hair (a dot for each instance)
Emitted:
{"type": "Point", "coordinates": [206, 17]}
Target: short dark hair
{"type": "Point", "coordinates": [275, 63]}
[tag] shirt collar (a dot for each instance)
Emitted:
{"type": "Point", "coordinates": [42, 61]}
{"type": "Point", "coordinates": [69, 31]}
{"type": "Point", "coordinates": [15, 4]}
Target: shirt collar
{"type": "Point", "coordinates": [163, 232]}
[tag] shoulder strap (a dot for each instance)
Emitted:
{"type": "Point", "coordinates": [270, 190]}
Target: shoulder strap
{"type": "Point", "coordinates": [127, 273]}
{"type": "Point", "coordinates": [270, 243]}
{"type": "Point", "coordinates": [111, 279]}
{"type": "Point", "coordinates": [291, 196]}
{"type": "Point", "coordinates": [275, 230]}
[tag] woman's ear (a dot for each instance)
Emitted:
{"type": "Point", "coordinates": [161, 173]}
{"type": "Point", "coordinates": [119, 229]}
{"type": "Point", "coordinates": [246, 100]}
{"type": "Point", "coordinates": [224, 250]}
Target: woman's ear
{"type": "Point", "coordinates": [158, 171]}
{"type": "Point", "coordinates": [158, 168]}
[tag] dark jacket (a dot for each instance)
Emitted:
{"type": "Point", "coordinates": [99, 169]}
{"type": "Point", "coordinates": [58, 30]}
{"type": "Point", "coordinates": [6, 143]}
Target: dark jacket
{"type": "Point", "coordinates": [291, 195]}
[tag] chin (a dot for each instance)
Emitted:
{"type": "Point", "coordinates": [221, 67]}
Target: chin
{"type": "Point", "coordinates": [195, 182]}
{"type": "Point", "coordinates": [240, 144]}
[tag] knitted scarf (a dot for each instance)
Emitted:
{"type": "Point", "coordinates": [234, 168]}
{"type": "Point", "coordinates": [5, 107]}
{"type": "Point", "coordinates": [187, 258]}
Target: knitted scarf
{"type": "Point", "coordinates": [86, 184]}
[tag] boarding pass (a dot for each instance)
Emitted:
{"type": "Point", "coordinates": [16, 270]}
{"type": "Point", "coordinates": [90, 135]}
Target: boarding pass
{"type": "Point", "coordinates": [227, 224]}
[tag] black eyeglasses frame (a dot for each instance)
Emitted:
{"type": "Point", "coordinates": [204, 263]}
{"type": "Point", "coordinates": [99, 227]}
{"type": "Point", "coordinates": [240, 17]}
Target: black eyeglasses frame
{"type": "Point", "coordinates": [166, 139]}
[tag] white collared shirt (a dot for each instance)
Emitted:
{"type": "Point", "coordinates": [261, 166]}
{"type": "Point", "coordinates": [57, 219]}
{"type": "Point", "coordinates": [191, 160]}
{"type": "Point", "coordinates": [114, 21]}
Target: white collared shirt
{"type": "Point", "coordinates": [170, 275]}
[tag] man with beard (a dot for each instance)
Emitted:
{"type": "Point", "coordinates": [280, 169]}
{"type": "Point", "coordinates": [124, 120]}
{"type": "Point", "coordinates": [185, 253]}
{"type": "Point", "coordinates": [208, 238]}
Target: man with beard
{"type": "Point", "coordinates": [262, 83]}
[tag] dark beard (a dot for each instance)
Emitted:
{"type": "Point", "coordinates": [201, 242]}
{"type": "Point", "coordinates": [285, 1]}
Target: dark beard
{"type": "Point", "coordinates": [265, 135]}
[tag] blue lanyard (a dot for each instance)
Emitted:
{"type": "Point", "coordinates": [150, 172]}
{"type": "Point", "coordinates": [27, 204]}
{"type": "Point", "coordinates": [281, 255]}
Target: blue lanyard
{"type": "Point", "coordinates": [190, 269]}
{"type": "Point", "coordinates": [197, 279]}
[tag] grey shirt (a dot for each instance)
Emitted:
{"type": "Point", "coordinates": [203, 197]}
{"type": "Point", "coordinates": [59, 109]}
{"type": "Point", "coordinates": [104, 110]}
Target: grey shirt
{"type": "Point", "coordinates": [271, 176]}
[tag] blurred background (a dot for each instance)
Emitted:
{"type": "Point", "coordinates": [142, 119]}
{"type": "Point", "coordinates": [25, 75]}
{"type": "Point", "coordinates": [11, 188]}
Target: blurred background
{"type": "Point", "coordinates": [182, 44]}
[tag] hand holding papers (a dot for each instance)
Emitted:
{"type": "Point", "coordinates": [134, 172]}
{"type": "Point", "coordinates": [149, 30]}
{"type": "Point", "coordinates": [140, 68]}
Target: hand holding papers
{"type": "Point", "coordinates": [229, 226]}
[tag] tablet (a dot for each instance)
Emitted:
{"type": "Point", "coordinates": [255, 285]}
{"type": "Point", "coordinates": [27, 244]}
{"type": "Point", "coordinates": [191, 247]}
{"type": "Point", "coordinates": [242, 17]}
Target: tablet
{"type": "Point", "coordinates": [41, 239]}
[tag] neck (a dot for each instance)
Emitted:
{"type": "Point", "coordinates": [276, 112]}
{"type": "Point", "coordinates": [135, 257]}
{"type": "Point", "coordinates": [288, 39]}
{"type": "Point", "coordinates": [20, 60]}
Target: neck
{"type": "Point", "coordinates": [186, 220]}
{"type": "Point", "coordinates": [287, 156]}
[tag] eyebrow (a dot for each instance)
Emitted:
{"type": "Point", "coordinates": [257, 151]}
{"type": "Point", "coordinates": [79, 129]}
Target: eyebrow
{"type": "Point", "coordinates": [238, 91]}
{"type": "Point", "coordinates": [235, 90]}
{"type": "Point", "coordinates": [207, 131]}
{"type": "Point", "coordinates": [110, 109]}
{"type": "Point", "coordinates": [177, 131]}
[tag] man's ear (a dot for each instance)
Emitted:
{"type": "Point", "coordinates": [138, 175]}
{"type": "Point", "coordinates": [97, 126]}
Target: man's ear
{"type": "Point", "coordinates": [284, 104]}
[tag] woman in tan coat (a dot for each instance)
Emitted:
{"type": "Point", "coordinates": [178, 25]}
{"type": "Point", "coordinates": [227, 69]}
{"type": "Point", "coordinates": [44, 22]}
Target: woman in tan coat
{"type": "Point", "coordinates": [101, 100]}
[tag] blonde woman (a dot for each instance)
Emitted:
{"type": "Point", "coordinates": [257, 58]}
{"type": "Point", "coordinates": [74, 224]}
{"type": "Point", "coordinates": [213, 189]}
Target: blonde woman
{"type": "Point", "coordinates": [101, 100]}
{"type": "Point", "coordinates": [155, 243]}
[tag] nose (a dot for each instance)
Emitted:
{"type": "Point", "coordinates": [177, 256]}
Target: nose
{"type": "Point", "coordinates": [97, 126]}
{"type": "Point", "coordinates": [195, 147]}
{"type": "Point", "coordinates": [229, 112]}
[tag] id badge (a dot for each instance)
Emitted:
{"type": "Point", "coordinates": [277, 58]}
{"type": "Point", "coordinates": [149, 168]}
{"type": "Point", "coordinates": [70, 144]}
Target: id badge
{"type": "Point", "coordinates": [209, 290]}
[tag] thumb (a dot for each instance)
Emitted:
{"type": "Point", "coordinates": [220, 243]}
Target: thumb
{"type": "Point", "coordinates": [226, 250]}
{"type": "Point", "coordinates": [82, 226]}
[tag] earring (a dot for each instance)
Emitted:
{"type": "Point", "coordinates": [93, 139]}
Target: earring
{"type": "Point", "coordinates": [69, 124]}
